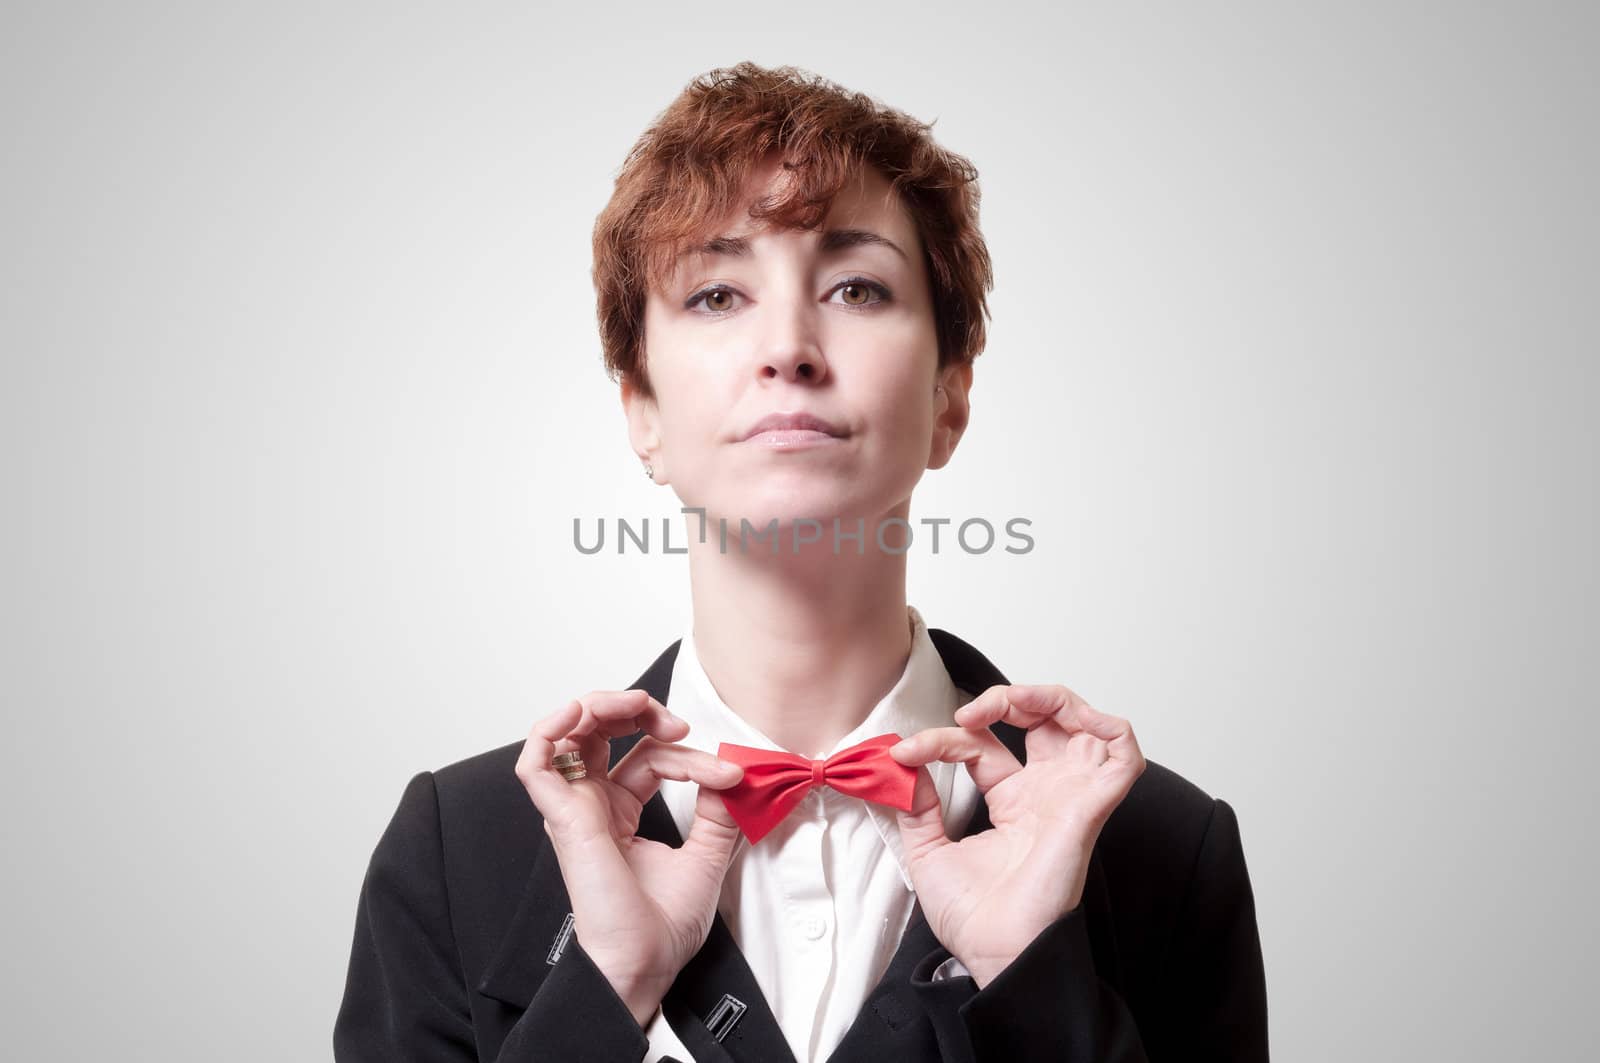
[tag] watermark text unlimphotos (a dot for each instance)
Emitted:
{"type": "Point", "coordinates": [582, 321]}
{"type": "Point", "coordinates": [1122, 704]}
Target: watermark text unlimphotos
{"type": "Point", "coordinates": [893, 535]}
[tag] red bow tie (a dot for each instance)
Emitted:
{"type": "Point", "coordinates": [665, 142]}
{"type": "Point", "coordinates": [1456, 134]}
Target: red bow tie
{"type": "Point", "coordinates": [775, 781]}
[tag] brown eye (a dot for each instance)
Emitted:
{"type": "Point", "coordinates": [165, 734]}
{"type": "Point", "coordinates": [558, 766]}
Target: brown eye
{"type": "Point", "coordinates": [859, 292]}
{"type": "Point", "coordinates": [718, 299]}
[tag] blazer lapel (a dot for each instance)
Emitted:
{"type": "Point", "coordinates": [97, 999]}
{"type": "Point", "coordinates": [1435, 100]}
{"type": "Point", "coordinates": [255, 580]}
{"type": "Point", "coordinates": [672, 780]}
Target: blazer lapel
{"type": "Point", "coordinates": [890, 1019]}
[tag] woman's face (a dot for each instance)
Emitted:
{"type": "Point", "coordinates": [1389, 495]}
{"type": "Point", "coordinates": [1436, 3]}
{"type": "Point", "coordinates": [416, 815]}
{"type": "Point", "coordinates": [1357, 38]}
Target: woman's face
{"type": "Point", "coordinates": [835, 324]}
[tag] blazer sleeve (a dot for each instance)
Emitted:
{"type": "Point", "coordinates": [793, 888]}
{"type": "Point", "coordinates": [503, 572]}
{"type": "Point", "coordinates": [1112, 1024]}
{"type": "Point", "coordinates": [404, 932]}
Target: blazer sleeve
{"type": "Point", "coordinates": [1050, 1004]}
{"type": "Point", "coordinates": [406, 998]}
{"type": "Point", "coordinates": [1217, 988]}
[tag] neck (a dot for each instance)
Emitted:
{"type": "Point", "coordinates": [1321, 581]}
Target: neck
{"type": "Point", "coordinates": [802, 646]}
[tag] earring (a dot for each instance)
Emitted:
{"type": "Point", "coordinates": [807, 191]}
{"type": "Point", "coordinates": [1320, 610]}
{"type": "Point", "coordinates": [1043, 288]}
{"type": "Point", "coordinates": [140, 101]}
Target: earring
{"type": "Point", "coordinates": [650, 472]}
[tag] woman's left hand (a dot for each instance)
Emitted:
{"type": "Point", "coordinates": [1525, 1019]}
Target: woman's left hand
{"type": "Point", "coordinates": [989, 895]}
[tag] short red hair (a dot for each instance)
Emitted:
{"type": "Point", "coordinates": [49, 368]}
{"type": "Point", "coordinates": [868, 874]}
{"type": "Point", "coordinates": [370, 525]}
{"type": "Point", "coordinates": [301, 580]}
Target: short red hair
{"type": "Point", "coordinates": [691, 165]}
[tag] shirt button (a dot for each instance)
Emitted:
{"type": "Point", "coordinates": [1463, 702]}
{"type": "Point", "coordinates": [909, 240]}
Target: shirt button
{"type": "Point", "coordinates": [815, 927]}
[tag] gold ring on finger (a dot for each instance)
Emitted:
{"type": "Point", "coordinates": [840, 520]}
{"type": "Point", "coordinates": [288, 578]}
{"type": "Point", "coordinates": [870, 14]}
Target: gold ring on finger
{"type": "Point", "coordinates": [570, 765]}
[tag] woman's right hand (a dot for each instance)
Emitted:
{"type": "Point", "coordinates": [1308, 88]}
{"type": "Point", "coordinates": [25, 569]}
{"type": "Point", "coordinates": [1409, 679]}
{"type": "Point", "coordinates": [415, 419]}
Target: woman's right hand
{"type": "Point", "coordinates": [641, 909]}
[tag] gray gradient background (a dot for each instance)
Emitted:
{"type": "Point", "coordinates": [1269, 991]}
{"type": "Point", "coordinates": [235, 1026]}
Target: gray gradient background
{"type": "Point", "coordinates": [1291, 363]}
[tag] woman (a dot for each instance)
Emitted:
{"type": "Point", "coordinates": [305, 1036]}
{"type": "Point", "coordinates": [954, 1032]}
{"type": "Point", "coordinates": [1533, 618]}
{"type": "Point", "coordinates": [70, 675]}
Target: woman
{"type": "Point", "coordinates": [813, 828]}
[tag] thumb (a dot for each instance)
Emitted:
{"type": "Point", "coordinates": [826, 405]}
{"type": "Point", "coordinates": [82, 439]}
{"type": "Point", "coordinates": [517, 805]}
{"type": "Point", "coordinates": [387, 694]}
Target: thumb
{"type": "Point", "coordinates": [713, 834]}
{"type": "Point", "coordinates": [922, 828]}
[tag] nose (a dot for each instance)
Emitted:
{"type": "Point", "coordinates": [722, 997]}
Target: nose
{"type": "Point", "coordinates": [791, 349]}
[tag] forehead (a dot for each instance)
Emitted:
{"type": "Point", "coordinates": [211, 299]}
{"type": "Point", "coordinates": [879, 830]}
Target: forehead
{"type": "Point", "coordinates": [865, 212]}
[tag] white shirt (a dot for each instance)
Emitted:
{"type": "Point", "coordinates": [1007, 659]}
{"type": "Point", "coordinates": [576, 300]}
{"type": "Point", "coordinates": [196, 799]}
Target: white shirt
{"type": "Point", "coordinates": [819, 905]}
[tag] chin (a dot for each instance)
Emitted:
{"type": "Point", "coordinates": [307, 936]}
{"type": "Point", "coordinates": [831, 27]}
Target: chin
{"type": "Point", "coordinates": [790, 499]}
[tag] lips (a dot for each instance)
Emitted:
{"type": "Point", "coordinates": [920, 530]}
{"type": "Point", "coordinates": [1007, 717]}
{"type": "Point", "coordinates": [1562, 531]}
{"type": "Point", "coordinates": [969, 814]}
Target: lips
{"type": "Point", "coordinates": [803, 422]}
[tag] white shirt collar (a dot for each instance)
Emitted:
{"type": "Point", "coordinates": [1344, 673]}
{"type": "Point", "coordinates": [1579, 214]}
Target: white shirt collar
{"type": "Point", "coordinates": [924, 696]}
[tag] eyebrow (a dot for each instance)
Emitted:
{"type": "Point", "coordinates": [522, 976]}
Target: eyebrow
{"type": "Point", "coordinates": [833, 241]}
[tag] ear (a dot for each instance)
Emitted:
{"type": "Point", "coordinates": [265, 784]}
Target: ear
{"type": "Point", "coordinates": [644, 433]}
{"type": "Point", "coordinates": [952, 409]}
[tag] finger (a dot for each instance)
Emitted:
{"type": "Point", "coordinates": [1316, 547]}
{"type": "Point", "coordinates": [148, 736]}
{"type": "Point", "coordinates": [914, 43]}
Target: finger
{"type": "Point", "coordinates": [605, 714]}
{"type": "Point", "coordinates": [985, 709]}
{"type": "Point", "coordinates": [558, 723]}
{"type": "Point", "coordinates": [1087, 750]}
{"type": "Point", "coordinates": [1021, 705]}
{"type": "Point", "coordinates": [557, 731]}
{"type": "Point", "coordinates": [1075, 716]}
{"type": "Point", "coordinates": [595, 748]}
{"type": "Point", "coordinates": [1109, 737]}
{"type": "Point", "coordinates": [994, 705]}
{"type": "Point", "coordinates": [550, 792]}
{"type": "Point", "coordinates": [1114, 731]}
{"type": "Point", "coordinates": [1033, 707]}
{"type": "Point", "coordinates": [615, 713]}
{"type": "Point", "coordinates": [713, 836]}
{"type": "Point", "coordinates": [640, 772]}
{"type": "Point", "coordinates": [987, 759]}
{"type": "Point", "coordinates": [1029, 705]}
{"type": "Point", "coordinates": [922, 828]}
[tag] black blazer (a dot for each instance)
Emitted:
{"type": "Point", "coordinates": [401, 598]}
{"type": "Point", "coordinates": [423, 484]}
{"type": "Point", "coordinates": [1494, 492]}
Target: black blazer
{"type": "Point", "coordinates": [463, 946]}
